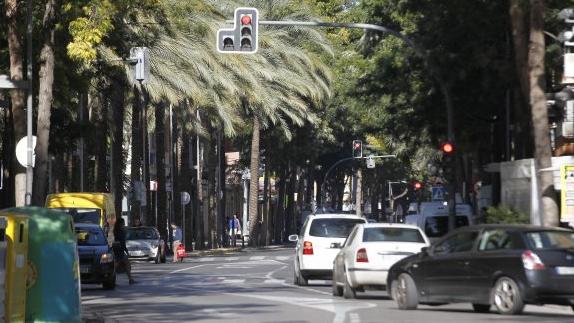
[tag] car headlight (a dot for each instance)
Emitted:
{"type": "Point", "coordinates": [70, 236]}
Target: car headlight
{"type": "Point", "coordinates": [106, 258]}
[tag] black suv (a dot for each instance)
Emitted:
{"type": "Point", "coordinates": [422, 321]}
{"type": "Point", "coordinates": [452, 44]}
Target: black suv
{"type": "Point", "coordinates": [96, 256]}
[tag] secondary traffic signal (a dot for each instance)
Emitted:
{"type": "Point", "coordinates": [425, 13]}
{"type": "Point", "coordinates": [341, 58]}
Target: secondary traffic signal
{"type": "Point", "coordinates": [418, 186]}
{"type": "Point", "coordinates": [357, 149]}
{"type": "Point", "coordinates": [447, 148]}
{"type": "Point", "coordinates": [242, 39]}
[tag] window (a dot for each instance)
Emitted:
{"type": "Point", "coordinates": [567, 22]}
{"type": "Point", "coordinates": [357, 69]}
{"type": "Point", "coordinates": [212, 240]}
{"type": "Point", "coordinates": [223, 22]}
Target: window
{"type": "Point", "coordinates": [551, 239]}
{"type": "Point", "coordinates": [460, 242]}
{"type": "Point", "coordinates": [142, 234]}
{"type": "Point", "coordinates": [91, 216]}
{"type": "Point", "coordinates": [90, 237]}
{"type": "Point", "coordinates": [496, 240]}
{"type": "Point", "coordinates": [392, 234]}
{"type": "Point", "coordinates": [332, 227]}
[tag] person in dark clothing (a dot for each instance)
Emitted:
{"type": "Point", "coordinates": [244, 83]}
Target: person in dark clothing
{"type": "Point", "coordinates": [121, 250]}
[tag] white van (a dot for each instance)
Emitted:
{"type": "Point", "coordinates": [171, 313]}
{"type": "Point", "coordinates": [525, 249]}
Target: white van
{"type": "Point", "coordinates": [433, 218]}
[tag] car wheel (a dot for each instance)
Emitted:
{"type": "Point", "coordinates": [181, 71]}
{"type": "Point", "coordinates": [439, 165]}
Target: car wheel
{"type": "Point", "coordinates": [506, 296]}
{"type": "Point", "coordinates": [298, 278]}
{"type": "Point", "coordinates": [404, 292]}
{"type": "Point", "coordinates": [337, 290]}
{"type": "Point", "coordinates": [481, 308]}
{"type": "Point", "coordinates": [110, 283]}
{"type": "Point", "coordinates": [348, 291]}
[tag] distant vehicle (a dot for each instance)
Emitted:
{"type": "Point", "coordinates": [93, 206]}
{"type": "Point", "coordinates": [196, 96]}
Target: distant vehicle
{"type": "Point", "coordinates": [505, 266]}
{"type": "Point", "coordinates": [95, 208]}
{"type": "Point", "coordinates": [145, 243]}
{"type": "Point", "coordinates": [369, 252]}
{"type": "Point", "coordinates": [315, 250]}
{"type": "Point", "coordinates": [433, 218]}
{"type": "Point", "coordinates": [96, 256]}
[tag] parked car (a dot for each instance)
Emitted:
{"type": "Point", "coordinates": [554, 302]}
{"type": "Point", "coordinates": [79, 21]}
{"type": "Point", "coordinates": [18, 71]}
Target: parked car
{"type": "Point", "coordinates": [96, 256]}
{"type": "Point", "coordinates": [145, 243]}
{"type": "Point", "coordinates": [369, 252]}
{"type": "Point", "coordinates": [316, 245]}
{"type": "Point", "coordinates": [505, 266]}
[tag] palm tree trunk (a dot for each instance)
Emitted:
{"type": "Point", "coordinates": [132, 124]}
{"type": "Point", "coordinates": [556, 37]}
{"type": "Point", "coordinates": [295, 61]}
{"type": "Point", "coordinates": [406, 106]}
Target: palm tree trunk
{"type": "Point", "coordinates": [44, 106]}
{"type": "Point", "coordinates": [520, 41]}
{"type": "Point", "coordinates": [280, 207]}
{"type": "Point", "coordinates": [542, 150]}
{"type": "Point", "coordinates": [118, 160]}
{"type": "Point", "coordinates": [266, 191]}
{"type": "Point", "coordinates": [254, 185]}
{"type": "Point", "coordinates": [17, 97]}
{"type": "Point", "coordinates": [101, 171]}
{"type": "Point", "coordinates": [161, 198]}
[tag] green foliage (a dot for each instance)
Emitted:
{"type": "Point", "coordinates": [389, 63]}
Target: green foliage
{"type": "Point", "coordinates": [505, 215]}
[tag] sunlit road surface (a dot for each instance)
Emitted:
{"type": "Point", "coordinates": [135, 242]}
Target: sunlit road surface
{"type": "Point", "coordinates": [256, 286]}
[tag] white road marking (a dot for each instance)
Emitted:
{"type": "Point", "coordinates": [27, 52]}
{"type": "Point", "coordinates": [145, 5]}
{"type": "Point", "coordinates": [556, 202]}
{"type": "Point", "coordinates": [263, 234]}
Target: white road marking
{"type": "Point", "coordinates": [233, 281]}
{"type": "Point", "coordinates": [184, 269]}
{"type": "Point", "coordinates": [256, 258]}
{"type": "Point", "coordinates": [355, 318]}
{"type": "Point", "coordinates": [231, 258]}
{"type": "Point", "coordinates": [283, 257]}
{"type": "Point", "coordinates": [233, 267]}
{"type": "Point", "coordinates": [274, 281]}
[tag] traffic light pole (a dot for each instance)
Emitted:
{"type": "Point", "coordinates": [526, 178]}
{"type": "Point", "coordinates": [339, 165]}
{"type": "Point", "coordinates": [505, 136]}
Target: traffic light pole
{"type": "Point", "coordinates": [337, 164]}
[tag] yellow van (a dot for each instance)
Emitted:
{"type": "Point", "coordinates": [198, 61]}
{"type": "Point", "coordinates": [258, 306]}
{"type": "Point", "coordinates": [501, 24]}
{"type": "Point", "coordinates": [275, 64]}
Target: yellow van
{"type": "Point", "coordinates": [95, 208]}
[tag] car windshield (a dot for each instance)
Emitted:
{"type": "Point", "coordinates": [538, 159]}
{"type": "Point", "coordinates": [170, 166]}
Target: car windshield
{"type": "Point", "coordinates": [91, 216]}
{"type": "Point", "coordinates": [141, 234]}
{"type": "Point", "coordinates": [438, 226]}
{"type": "Point", "coordinates": [551, 239]}
{"type": "Point", "coordinates": [333, 227]}
{"type": "Point", "coordinates": [90, 237]}
{"type": "Point", "coordinates": [392, 234]}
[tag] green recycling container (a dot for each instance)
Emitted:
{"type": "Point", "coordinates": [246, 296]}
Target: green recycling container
{"type": "Point", "coordinates": [53, 278]}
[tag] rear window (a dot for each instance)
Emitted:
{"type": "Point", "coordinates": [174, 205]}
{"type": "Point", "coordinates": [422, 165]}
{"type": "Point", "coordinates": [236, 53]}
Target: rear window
{"type": "Point", "coordinates": [91, 216]}
{"type": "Point", "coordinates": [141, 234]}
{"type": "Point", "coordinates": [332, 228]}
{"type": "Point", "coordinates": [438, 226]}
{"type": "Point", "coordinates": [90, 237]}
{"type": "Point", "coordinates": [551, 239]}
{"type": "Point", "coordinates": [393, 235]}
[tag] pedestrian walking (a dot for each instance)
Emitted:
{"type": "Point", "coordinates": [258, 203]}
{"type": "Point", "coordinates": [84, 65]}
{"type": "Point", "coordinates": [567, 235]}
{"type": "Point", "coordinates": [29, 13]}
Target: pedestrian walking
{"type": "Point", "coordinates": [234, 229]}
{"type": "Point", "coordinates": [177, 239]}
{"type": "Point", "coordinates": [122, 262]}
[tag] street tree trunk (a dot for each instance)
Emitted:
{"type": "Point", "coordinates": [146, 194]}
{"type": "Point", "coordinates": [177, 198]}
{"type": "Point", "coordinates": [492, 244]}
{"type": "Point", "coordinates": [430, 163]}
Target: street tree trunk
{"type": "Point", "coordinates": [44, 105]}
{"type": "Point", "coordinates": [161, 195]}
{"type": "Point", "coordinates": [17, 97]}
{"type": "Point", "coordinates": [118, 159]}
{"type": "Point", "coordinates": [254, 185]}
{"type": "Point", "coordinates": [136, 150]}
{"type": "Point", "coordinates": [359, 196]}
{"type": "Point", "coordinates": [542, 150]}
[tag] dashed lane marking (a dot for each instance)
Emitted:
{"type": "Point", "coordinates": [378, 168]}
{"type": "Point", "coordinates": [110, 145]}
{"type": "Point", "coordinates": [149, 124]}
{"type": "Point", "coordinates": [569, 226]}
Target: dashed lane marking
{"type": "Point", "coordinates": [257, 258]}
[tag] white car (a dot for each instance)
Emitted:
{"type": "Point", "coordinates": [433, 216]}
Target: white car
{"type": "Point", "coordinates": [370, 250]}
{"type": "Point", "coordinates": [317, 245]}
{"type": "Point", "coordinates": [145, 243]}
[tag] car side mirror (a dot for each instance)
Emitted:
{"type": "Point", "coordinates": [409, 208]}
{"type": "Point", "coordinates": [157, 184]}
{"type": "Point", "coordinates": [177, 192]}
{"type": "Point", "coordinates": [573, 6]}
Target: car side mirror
{"type": "Point", "coordinates": [426, 251]}
{"type": "Point", "coordinates": [293, 238]}
{"type": "Point", "coordinates": [336, 245]}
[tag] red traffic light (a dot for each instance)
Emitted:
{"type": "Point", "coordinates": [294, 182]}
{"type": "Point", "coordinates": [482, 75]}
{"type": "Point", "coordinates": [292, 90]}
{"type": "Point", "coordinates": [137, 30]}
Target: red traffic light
{"type": "Point", "coordinates": [246, 20]}
{"type": "Point", "coordinates": [447, 148]}
{"type": "Point", "coordinates": [418, 185]}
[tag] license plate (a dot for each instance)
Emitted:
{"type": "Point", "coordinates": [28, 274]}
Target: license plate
{"type": "Point", "coordinates": [136, 253]}
{"type": "Point", "coordinates": [85, 269]}
{"type": "Point", "coordinates": [565, 270]}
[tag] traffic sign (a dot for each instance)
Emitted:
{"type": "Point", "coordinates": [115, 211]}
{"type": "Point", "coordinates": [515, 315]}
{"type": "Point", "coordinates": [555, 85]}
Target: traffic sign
{"type": "Point", "coordinates": [438, 193]}
{"type": "Point", "coordinates": [22, 151]}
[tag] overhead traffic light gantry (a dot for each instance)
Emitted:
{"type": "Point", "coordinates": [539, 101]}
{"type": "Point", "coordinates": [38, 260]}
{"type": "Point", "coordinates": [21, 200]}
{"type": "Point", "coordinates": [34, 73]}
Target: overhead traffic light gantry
{"type": "Point", "coordinates": [243, 38]}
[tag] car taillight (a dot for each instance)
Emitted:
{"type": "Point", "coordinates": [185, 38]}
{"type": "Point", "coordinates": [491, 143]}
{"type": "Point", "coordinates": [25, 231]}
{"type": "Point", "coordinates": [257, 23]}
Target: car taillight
{"type": "Point", "coordinates": [531, 261]}
{"type": "Point", "coordinates": [362, 255]}
{"type": "Point", "coordinates": [307, 248]}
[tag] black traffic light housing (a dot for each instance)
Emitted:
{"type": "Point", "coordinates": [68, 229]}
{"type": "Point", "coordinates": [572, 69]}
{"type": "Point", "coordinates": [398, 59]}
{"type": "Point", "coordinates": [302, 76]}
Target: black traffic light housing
{"type": "Point", "coordinates": [357, 149]}
{"type": "Point", "coordinates": [243, 38]}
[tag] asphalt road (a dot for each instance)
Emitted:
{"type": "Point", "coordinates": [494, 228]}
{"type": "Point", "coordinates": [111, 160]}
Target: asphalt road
{"type": "Point", "coordinates": [256, 286]}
